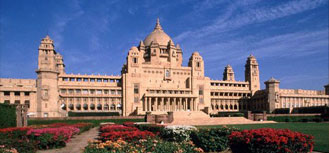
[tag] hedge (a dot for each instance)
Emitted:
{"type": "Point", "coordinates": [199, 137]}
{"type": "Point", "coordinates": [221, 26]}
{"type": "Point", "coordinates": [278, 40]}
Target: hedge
{"type": "Point", "coordinates": [308, 110]}
{"type": "Point", "coordinates": [7, 115]}
{"type": "Point", "coordinates": [78, 114]}
{"type": "Point", "coordinates": [295, 118]}
{"type": "Point", "coordinates": [227, 114]}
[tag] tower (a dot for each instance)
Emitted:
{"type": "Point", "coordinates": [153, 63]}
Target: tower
{"type": "Point", "coordinates": [252, 74]}
{"type": "Point", "coordinates": [326, 89]}
{"type": "Point", "coordinates": [272, 89]}
{"type": "Point", "coordinates": [228, 74]}
{"type": "Point", "coordinates": [47, 81]}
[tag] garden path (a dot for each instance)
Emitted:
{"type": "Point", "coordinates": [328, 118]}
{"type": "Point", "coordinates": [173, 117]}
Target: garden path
{"type": "Point", "coordinates": [77, 143]}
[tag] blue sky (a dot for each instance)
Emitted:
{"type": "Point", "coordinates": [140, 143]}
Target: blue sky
{"type": "Point", "coordinates": [288, 38]}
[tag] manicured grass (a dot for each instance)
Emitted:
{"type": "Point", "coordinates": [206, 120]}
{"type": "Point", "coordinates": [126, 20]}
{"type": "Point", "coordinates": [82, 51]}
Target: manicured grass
{"type": "Point", "coordinates": [95, 122]}
{"type": "Point", "coordinates": [320, 131]}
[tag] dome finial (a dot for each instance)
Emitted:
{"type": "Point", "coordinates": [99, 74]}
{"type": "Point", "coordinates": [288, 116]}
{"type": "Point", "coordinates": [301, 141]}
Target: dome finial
{"type": "Point", "coordinates": [157, 25]}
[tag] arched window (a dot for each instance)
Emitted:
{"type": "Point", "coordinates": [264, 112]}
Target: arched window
{"type": "Point", "coordinates": [85, 106]}
{"type": "Point", "coordinates": [99, 106]}
{"type": "Point", "coordinates": [92, 106]}
{"type": "Point", "coordinates": [78, 106]}
{"type": "Point", "coordinates": [63, 106]}
{"type": "Point", "coordinates": [106, 107]}
{"type": "Point", "coordinates": [71, 106]}
{"type": "Point", "coordinates": [113, 107]}
{"type": "Point", "coordinates": [167, 73]}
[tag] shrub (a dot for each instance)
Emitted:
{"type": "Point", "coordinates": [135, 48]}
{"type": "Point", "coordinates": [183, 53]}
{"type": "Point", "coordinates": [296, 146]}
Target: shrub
{"type": "Point", "coordinates": [227, 114]}
{"type": "Point", "coordinates": [212, 140]}
{"type": "Point", "coordinates": [177, 133]}
{"type": "Point", "coordinates": [156, 129]}
{"type": "Point", "coordinates": [7, 115]}
{"type": "Point", "coordinates": [293, 118]}
{"type": "Point", "coordinates": [270, 140]}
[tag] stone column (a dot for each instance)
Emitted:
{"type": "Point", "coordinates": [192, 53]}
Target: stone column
{"type": "Point", "coordinates": [168, 104]}
{"type": "Point", "coordinates": [180, 104]}
{"type": "Point", "coordinates": [149, 102]}
{"type": "Point", "coordinates": [194, 102]}
{"type": "Point", "coordinates": [162, 104]}
{"type": "Point", "coordinates": [174, 104]}
{"type": "Point", "coordinates": [156, 104]}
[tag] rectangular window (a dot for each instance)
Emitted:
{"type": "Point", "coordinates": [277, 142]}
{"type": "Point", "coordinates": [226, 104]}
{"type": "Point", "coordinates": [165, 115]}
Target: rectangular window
{"type": "Point", "coordinates": [27, 102]}
{"type": "Point", "coordinates": [78, 91]}
{"type": "Point", "coordinates": [85, 80]}
{"type": "Point", "coordinates": [7, 102]}
{"type": "Point", "coordinates": [112, 92]}
{"type": "Point", "coordinates": [105, 80]}
{"type": "Point", "coordinates": [106, 92]}
{"type": "Point", "coordinates": [7, 93]}
{"type": "Point", "coordinates": [26, 93]}
{"type": "Point", "coordinates": [17, 102]}
{"type": "Point", "coordinates": [92, 80]}
{"type": "Point", "coordinates": [92, 91]}
{"type": "Point", "coordinates": [99, 80]}
{"type": "Point", "coordinates": [136, 88]}
{"type": "Point", "coordinates": [135, 60]}
{"type": "Point", "coordinates": [85, 91]}
{"type": "Point", "coordinates": [99, 92]}
{"type": "Point", "coordinates": [79, 79]}
{"type": "Point", "coordinates": [17, 93]}
{"type": "Point", "coordinates": [70, 91]}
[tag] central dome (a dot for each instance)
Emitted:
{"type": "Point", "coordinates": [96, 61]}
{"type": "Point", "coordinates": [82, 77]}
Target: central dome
{"type": "Point", "coordinates": [157, 36]}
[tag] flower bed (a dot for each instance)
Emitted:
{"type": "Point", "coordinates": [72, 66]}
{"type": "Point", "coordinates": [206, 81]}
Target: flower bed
{"type": "Point", "coordinates": [270, 140]}
{"type": "Point", "coordinates": [114, 132]}
{"type": "Point", "coordinates": [28, 139]}
{"type": "Point", "coordinates": [122, 139]}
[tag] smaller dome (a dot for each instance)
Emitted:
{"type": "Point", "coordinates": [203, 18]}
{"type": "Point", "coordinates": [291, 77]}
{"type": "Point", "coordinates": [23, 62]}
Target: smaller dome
{"type": "Point", "coordinates": [195, 53]}
{"type": "Point", "coordinates": [157, 36]}
{"type": "Point", "coordinates": [134, 48]}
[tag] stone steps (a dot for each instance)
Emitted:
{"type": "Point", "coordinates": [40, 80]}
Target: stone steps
{"type": "Point", "coordinates": [200, 118]}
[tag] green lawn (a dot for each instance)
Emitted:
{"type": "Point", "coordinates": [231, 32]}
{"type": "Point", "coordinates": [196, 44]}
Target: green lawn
{"type": "Point", "coordinates": [320, 131]}
{"type": "Point", "coordinates": [95, 122]}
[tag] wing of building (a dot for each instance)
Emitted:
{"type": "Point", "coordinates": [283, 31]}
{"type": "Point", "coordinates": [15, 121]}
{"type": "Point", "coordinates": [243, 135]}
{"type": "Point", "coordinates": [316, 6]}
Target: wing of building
{"type": "Point", "coordinates": [152, 80]}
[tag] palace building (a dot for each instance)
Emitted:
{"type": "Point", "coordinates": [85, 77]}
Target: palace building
{"type": "Point", "coordinates": [152, 80]}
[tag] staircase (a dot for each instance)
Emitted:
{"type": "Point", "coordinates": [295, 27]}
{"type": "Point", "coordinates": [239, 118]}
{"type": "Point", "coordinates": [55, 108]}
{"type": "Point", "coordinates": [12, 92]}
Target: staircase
{"type": "Point", "coordinates": [201, 118]}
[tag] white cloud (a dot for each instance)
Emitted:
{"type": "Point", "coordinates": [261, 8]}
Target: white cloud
{"type": "Point", "coordinates": [228, 21]}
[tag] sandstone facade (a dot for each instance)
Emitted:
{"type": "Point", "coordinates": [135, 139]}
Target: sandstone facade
{"type": "Point", "coordinates": [152, 80]}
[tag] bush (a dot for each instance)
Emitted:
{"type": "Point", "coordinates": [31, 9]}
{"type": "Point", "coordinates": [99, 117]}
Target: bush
{"type": "Point", "coordinates": [177, 133]}
{"type": "Point", "coordinates": [212, 140]}
{"type": "Point", "coordinates": [270, 140]}
{"type": "Point", "coordinates": [293, 118]}
{"type": "Point", "coordinates": [156, 129]}
{"type": "Point", "coordinates": [7, 115]}
{"type": "Point", "coordinates": [227, 114]}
